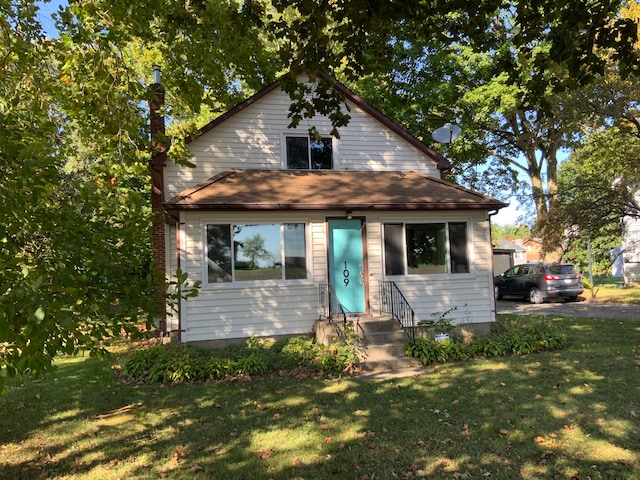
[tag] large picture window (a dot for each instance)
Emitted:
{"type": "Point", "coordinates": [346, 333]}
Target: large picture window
{"type": "Point", "coordinates": [238, 253]}
{"type": "Point", "coordinates": [426, 248]}
{"type": "Point", "coordinates": [305, 153]}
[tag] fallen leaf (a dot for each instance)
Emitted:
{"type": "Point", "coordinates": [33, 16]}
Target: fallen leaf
{"type": "Point", "coordinates": [264, 454]}
{"type": "Point", "coordinates": [328, 439]}
{"type": "Point", "coordinates": [298, 464]}
{"type": "Point", "coordinates": [324, 426]}
{"type": "Point", "coordinates": [196, 468]}
{"type": "Point", "coordinates": [504, 431]}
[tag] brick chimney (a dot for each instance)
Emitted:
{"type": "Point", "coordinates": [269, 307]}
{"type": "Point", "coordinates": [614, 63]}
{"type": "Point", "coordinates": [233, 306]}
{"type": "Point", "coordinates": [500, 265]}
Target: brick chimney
{"type": "Point", "coordinates": [156, 166]}
{"type": "Point", "coordinates": [156, 116]}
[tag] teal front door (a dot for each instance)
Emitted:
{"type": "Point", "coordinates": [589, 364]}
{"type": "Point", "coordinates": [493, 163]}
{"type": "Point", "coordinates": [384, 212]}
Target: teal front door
{"type": "Point", "coordinates": [346, 264]}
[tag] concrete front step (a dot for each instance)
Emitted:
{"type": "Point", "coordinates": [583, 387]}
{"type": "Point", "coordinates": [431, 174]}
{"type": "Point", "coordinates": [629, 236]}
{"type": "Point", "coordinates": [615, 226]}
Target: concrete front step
{"type": "Point", "coordinates": [381, 338]}
{"type": "Point", "coordinates": [378, 324]}
{"type": "Point", "coordinates": [381, 342]}
{"type": "Point", "coordinates": [380, 360]}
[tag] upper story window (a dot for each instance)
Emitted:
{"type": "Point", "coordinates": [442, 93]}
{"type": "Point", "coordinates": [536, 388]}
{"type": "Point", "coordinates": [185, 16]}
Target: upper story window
{"type": "Point", "coordinates": [305, 153]}
{"type": "Point", "coordinates": [426, 248]}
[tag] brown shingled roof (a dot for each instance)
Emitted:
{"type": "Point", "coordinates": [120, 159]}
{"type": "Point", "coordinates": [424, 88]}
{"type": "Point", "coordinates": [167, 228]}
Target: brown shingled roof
{"type": "Point", "coordinates": [328, 189]}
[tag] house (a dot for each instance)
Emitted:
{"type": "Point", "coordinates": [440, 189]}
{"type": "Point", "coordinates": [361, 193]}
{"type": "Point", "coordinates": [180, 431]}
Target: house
{"type": "Point", "coordinates": [631, 246]}
{"type": "Point", "coordinates": [617, 264]}
{"type": "Point", "coordinates": [271, 219]}
{"type": "Point", "coordinates": [506, 255]}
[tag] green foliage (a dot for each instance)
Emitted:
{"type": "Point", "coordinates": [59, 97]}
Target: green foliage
{"type": "Point", "coordinates": [498, 232]}
{"type": "Point", "coordinates": [75, 263]}
{"type": "Point", "coordinates": [439, 323]}
{"type": "Point", "coordinates": [522, 339]}
{"type": "Point", "coordinates": [185, 363]}
{"type": "Point", "coordinates": [179, 288]}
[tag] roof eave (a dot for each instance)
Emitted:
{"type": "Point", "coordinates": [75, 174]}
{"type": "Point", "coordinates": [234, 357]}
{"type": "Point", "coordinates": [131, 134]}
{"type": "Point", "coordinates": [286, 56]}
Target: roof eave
{"type": "Point", "coordinates": [330, 206]}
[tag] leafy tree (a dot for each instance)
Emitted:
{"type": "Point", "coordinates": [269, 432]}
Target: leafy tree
{"type": "Point", "coordinates": [596, 190]}
{"type": "Point", "coordinates": [510, 132]}
{"type": "Point", "coordinates": [498, 232]}
{"type": "Point", "coordinates": [253, 248]}
{"type": "Point", "coordinates": [74, 225]}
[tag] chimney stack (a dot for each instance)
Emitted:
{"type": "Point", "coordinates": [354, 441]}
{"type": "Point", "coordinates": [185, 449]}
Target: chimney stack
{"type": "Point", "coordinates": [156, 116]}
{"type": "Point", "coordinates": [158, 236]}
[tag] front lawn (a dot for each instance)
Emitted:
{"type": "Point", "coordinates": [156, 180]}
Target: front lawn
{"type": "Point", "coordinates": [571, 413]}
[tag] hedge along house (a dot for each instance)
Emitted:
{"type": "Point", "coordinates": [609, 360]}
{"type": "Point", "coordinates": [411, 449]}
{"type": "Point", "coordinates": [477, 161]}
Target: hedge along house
{"type": "Point", "coordinates": [275, 224]}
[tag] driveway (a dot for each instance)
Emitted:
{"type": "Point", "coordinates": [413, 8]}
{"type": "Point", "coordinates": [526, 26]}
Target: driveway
{"type": "Point", "coordinates": [571, 309]}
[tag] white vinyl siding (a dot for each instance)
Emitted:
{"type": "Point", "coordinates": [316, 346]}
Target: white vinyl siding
{"type": "Point", "coordinates": [253, 139]}
{"type": "Point", "coordinates": [283, 308]}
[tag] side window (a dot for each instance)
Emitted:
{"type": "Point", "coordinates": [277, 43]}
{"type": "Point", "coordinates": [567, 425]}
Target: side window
{"type": "Point", "coordinates": [458, 243]}
{"type": "Point", "coordinates": [305, 153]}
{"type": "Point", "coordinates": [393, 249]}
{"type": "Point", "coordinates": [426, 248]}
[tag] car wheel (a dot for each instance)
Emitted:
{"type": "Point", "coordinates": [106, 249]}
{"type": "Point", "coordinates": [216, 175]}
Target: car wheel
{"type": "Point", "coordinates": [496, 292]}
{"type": "Point", "coordinates": [535, 296]}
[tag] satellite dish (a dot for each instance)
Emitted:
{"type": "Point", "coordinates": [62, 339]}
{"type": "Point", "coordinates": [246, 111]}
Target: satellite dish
{"type": "Point", "coordinates": [447, 133]}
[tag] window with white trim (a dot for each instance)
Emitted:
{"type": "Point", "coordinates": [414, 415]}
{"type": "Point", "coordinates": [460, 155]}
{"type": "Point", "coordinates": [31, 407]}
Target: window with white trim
{"type": "Point", "coordinates": [306, 153]}
{"type": "Point", "coordinates": [426, 248]}
{"type": "Point", "coordinates": [255, 252]}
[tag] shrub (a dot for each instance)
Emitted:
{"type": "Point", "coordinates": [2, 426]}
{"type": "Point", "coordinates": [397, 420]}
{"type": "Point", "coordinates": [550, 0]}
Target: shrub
{"type": "Point", "coordinates": [185, 363]}
{"type": "Point", "coordinates": [505, 339]}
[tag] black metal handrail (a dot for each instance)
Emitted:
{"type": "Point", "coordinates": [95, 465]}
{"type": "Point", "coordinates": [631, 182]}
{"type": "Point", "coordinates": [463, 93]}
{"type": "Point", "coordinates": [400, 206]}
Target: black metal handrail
{"type": "Point", "coordinates": [394, 303]}
{"type": "Point", "coordinates": [332, 310]}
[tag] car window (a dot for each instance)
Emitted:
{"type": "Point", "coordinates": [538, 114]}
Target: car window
{"type": "Point", "coordinates": [561, 269]}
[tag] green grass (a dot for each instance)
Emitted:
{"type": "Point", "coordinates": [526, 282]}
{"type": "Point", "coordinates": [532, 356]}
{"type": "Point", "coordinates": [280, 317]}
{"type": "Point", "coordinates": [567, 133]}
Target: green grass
{"type": "Point", "coordinates": [612, 290]}
{"type": "Point", "coordinates": [573, 413]}
{"type": "Point", "coordinates": [614, 294]}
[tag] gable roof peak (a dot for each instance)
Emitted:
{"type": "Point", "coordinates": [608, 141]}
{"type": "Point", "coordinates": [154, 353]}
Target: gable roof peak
{"type": "Point", "coordinates": [441, 162]}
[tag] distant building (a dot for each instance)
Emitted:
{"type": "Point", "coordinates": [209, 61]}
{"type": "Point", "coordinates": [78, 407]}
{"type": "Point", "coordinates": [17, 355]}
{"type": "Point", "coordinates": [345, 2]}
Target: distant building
{"type": "Point", "coordinates": [507, 254]}
{"type": "Point", "coordinates": [617, 263]}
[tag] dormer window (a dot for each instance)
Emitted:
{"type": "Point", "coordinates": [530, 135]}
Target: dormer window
{"type": "Point", "coordinates": [305, 153]}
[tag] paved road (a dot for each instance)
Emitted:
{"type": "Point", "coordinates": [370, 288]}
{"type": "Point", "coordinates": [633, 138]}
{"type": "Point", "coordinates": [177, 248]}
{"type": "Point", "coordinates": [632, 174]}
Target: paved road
{"type": "Point", "coordinates": [575, 309]}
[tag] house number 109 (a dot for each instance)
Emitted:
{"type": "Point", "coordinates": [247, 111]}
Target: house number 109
{"type": "Point", "coordinates": [345, 273]}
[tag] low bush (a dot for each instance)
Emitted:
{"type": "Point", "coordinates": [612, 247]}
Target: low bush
{"type": "Point", "coordinates": [507, 340]}
{"type": "Point", "coordinates": [186, 363]}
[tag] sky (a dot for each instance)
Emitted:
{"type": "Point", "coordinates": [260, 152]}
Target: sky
{"type": "Point", "coordinates": [508, 215]}
{"type": "Point", "coordinates": [46, 11]}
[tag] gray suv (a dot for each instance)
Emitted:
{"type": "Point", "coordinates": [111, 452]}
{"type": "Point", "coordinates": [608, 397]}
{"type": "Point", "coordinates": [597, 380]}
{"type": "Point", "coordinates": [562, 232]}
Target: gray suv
{"type": "Point", "coordinates": [539, 281]}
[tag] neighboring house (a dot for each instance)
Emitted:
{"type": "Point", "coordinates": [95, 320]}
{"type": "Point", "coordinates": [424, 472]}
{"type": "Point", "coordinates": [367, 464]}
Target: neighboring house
{"type": "Point", "coordinates": [506, 255]}
{"type": "Point", "coordinates": [533, 249]}
{"type": "Point", "coordinates": [631, 248]}
{"type": "Point", "coordinates": [617, 264]}
{"type": "Point", "coordinates": [269, 217]}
